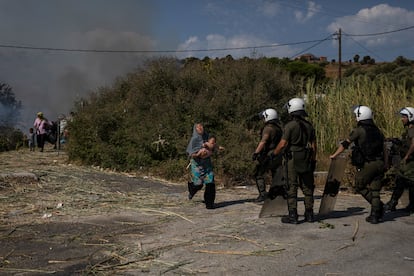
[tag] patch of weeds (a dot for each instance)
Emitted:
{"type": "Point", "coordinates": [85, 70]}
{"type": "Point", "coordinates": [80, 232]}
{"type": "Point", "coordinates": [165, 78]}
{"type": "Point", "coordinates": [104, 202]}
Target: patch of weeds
{"type": "Point", "coordinates": [323, 225]}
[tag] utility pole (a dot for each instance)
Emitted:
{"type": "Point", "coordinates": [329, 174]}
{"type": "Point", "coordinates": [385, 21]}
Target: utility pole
{"type": "Point", "coordinates": [339, 55]}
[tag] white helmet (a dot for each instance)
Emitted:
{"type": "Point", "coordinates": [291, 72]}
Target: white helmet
{"type": "Point", "coordinates": [363, 112]}
{"type": "Point", "coordinates": [409, 112]}
{"type": "Point", "coordinates": [269, 114]}
{"type": "Point", "coordinates": [296, 104]}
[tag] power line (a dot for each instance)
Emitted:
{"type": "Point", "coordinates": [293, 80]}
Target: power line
{"type": "Point", "coordinates": [366, 49]}
{"type": "Point", "coordinates": [316, 44]}
{"type": "Point", "coordinates": [374, 34]}
{"type": "Point", "coordinates": [382, 33]}
{"type": "Point", "coordinates": [156, 51]}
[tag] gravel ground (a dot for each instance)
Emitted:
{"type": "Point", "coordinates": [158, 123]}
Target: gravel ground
{"type": "Point", "coordinates": [61, 219]}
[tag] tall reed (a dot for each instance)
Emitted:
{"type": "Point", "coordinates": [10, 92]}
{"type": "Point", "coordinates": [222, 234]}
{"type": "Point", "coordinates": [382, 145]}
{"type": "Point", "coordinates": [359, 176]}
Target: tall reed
{"type": "Point", "coordinates": [330, 107]}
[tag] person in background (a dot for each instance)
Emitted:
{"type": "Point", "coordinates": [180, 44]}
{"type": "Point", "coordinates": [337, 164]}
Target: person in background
{"type": "Point", "coordinates": [64, 127]}
{"type": "Point", "coordinates": [405, 174]}
{"type": "Point", "coordinates": [201, 166]}
{"type": "Point", "coordinates": [368, 158]}
{"type": "Point", "coordinates": [62, 130]}
{"type": "Point", "coordinates": [298, 145]}
{"type": "Point", "coordinates": [270, 136]}
{"type": "Point", "coordinates": [31, 139]}
{"type": "Point", "coordinates": [41, 124]}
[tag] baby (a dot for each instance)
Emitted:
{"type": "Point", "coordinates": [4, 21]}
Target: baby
{"type": "Point", "coordinates": [209, 147]}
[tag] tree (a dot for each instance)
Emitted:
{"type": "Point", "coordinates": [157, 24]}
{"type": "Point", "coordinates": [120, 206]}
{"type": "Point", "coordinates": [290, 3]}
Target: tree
{"type": "Point", "coordinates": [366, 60]}
{"type": "Point", "coordinates": [307, 70]}
{"type": "Point", "coordinates": [356, 58]}
{"type": "Point", "coordinates": [9, 106]}
{"type": "Point", "coordinates": [402, 61]}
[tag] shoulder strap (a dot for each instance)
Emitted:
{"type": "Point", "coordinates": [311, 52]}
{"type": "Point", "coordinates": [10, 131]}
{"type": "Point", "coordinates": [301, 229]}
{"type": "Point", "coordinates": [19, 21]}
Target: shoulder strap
{"type": "Point", "coordinates": [305, 136]}
{"type": "Point", "coordinates": [270, 145]}
{"type": "Point", "coordinates": [279, 128]}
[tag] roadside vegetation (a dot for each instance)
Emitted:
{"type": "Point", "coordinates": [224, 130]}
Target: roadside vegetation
{"type": "Point", "coordinates": [144, 121]}
{"type": "Point", "coordinates": [10, 137]}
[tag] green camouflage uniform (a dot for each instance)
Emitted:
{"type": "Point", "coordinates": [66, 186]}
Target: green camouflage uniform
{"type": "Point", "coordinates": [299, 169]}
{"type": "Point", "coordinates": [266, 164]}
{"type": "Point", "coordinates": [407, 170]}
{"type": "Point", "coordinates": [368, 177]}
{"type": "Point", "coordinates": [405, 173]}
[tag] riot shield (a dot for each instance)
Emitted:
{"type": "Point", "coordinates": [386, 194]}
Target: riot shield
{"type": "Point", "coordinates": [333, 181]}
{"type": "Point", "coordinates": [275, 203]}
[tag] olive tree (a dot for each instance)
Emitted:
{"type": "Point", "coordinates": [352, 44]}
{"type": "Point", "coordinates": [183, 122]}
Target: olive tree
{"type": "Point", "coordinates": [9, 106]}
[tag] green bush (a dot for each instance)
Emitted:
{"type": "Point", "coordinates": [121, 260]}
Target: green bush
{"type": "Point", "coordinates": [11, 139]}
{"type": "Point", "coordinates": [162, 101]}
{"type": "Point", "coordinates": [145, 120]}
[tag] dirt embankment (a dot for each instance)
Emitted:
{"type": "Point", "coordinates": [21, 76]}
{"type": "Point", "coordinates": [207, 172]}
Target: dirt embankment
{"type": "Point", "coordinates": [61, 219]}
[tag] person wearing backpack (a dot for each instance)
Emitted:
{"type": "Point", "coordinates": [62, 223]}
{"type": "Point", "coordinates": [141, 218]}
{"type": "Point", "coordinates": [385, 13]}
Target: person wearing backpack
{"type": "Point", "coordinates": [269, 138]}
{"type": "Point", "coordinates": [405, 174]}
{"type": "Point", "coordinates": [368, 158]}
{"type": "Point", "coordinates": [298, 145]}
{"type": "Point", "coordinates": [41, 126]}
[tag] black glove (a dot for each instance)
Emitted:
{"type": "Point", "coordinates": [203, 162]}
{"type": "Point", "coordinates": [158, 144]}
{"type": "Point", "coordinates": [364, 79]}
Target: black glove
{"type": "Point", "coordinates": [272, 156]}
{"type": "Point", "coordinates": [254, 156]}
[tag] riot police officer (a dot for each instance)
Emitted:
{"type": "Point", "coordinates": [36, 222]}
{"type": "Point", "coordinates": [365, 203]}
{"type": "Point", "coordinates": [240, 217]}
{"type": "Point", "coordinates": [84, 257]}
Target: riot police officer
{"type": "Point", "coordinates": [298, 145]}
{"type": "Point", "coordinates": [405, 175]}
{"type": "Point", "coordinates": [270, 137]}
{"type": "Point", "coordinates": [368, 157]}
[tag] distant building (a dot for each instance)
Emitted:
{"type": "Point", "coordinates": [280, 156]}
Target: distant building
{"type": "Point", "coordinates": [311, 58]}
{"type": "Point", "coordinates": [323, 59]}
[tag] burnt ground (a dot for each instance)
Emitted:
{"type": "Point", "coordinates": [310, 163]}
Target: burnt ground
{"type": "Point", "coordinates": [61, 219]}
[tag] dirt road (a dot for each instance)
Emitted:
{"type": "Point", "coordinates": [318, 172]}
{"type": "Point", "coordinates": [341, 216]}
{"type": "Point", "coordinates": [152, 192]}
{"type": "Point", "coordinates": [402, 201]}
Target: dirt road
{"type": "Point", "coordinates": [61, 219]}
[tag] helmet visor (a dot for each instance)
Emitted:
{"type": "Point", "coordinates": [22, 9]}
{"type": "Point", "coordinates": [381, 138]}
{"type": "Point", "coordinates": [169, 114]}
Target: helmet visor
{"type": "Point", "coordinates": [356, 109]}
{"type": "Point", "coordinates": [406, 112]}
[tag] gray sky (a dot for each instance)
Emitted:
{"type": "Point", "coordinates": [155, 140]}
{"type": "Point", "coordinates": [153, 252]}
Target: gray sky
{"type": "Point", "coordinates": [50, 80]}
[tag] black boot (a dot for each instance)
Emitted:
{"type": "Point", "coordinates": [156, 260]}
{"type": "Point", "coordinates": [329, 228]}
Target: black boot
{"type": "Point", "coordinates": [193, 189]}
{"type": "Point", "coordinates": [309, 217]}
{"type": "Point", "coordinates": [261, 187]}
{"type": "Point", "coordinates": [260, 198]}
{"type": "Point", "coordinates": [374, 218]}
{"type": "Point", "coordinates": [369, 218]}
{"type": "Point", "coordinates": [191, 192]}
{"type": "Point", "coordinates": [210, 195]}
{"type": "Point", "coordinates": [292, 218]}
{"type": "Point", "coordinates": [391, 206]}
{"type": "Point", "coordinates": [410, 206]}
{"type": "Point", "coordinates": [400, 185]}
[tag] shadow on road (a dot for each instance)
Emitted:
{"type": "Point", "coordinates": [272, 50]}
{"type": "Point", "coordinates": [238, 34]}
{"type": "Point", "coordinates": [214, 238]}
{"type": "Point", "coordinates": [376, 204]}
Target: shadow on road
{"type": "Point", "coordinates": [351, 211]}
{"type": "Point", "coordinates": [355, 211]}
{"type": "Point", "coordinates": [391, 216]}
{"type": "Point", "coordinates": [232, 202]}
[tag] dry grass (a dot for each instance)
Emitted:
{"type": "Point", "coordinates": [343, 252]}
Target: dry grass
{"type": "Point", "coordinates": [330, 108]}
